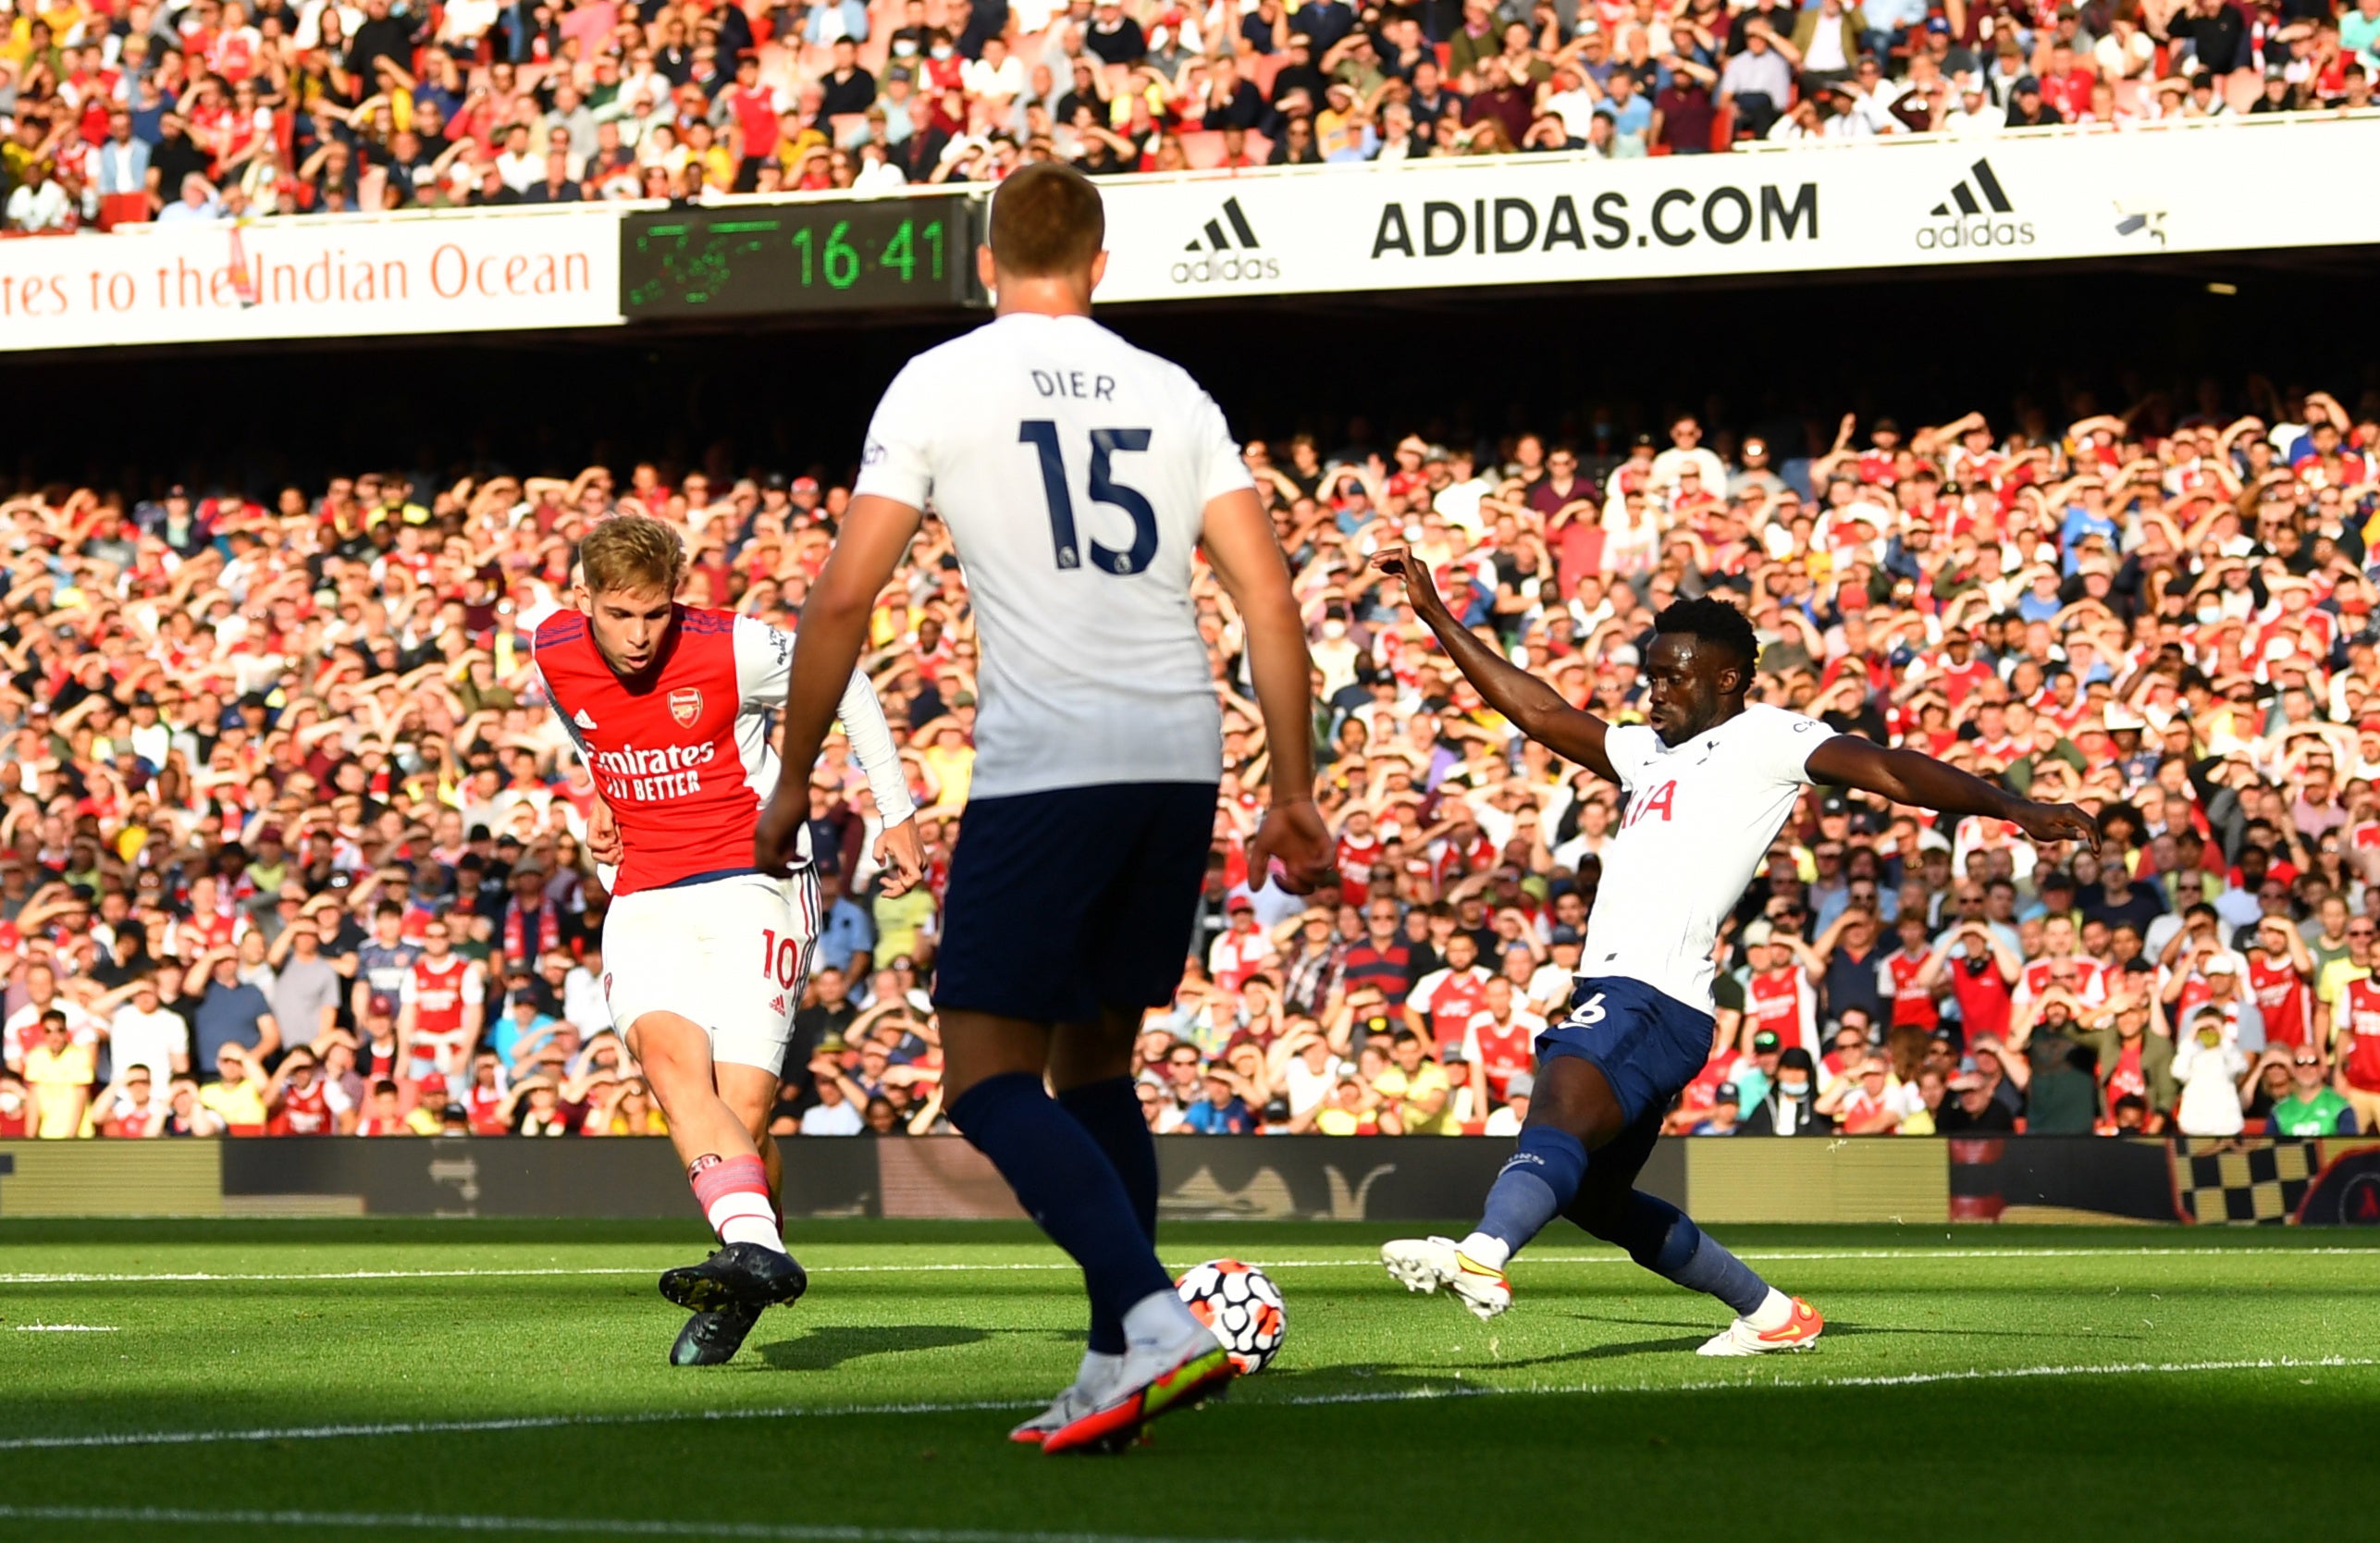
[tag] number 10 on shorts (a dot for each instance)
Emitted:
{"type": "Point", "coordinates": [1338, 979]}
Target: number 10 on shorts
{"type": "Point", "coordinates": [780, 959]}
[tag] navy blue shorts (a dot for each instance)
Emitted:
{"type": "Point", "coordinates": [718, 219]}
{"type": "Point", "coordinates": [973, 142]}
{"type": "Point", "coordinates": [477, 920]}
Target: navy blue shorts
{"type": "Point", "coordinates": [1648, 1044]}
{"type": "Point", "coordinates": [1065, 902]}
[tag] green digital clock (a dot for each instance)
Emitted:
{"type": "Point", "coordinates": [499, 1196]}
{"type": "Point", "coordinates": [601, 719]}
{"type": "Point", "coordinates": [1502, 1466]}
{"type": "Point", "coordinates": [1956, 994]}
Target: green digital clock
{"type": "Point", "coordinates": [761, 259]}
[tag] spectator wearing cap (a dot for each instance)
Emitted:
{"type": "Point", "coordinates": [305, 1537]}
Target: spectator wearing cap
{"type": "Point", "coordinates": [1756, 1072]}
{"type": "Point", "coordinates": [1245, 948]}
{"type": "Point", "coordinates": [2027, 108]}
{"type": "Point", "coordinates": [1721, 1118]}
{"type": "Point", "coordinates": [1552, 983]}
{"type": "Point", "coordinates": [2222, 989]}
{"type": "Point", "coordinates": [2210, 1066]}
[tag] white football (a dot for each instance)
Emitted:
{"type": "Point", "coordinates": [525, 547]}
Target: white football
{"type": "Point", "coordinates": [1242, 1305]}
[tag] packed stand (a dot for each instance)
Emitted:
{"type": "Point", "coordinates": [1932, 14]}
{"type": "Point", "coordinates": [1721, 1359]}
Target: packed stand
{"type": "Point", "coordinates": [291, 842]}
{"type": "Point", "coordinates": [131, 111]}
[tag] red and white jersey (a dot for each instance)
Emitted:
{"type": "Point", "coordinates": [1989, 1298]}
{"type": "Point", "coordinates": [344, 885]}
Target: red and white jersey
{"type": "Point", "coordinates": [1785, 1003]}
{"type": "Point", "coordinates": [1356, 856]}
{"type": "Point", "coordinates": [1957, 680]}
{"type": "Point", "coordinates": [1503, 1051]}
{"type": "Point", "coordinates": [304, 1111]}
{"type": "Point", "coordinates": [2283, 998]}
{"type": "Point", "coordinates": [136, 1120]}
{"type": "Point", "coordinates": [686, 759]}
{"type": "Point", "coordinates": [2088, 985]}
{"type": "Point", "coordinates": [484, 1107]}
{"type": "Point", "coordinates": [1450, 858]}
{"type": "Point", "coordinates": [24, 1028]}
{"type": "Point", "coordinates": [1897, 974]}
{"type": "Point", "coordinates": [1236, 956]}
{"type": "Point", "coordinates": [438, 990]}
{"type": "Point", "coordinates": [1449, 999]}
{"type": "Point", "coordinates": [2359, 1022]}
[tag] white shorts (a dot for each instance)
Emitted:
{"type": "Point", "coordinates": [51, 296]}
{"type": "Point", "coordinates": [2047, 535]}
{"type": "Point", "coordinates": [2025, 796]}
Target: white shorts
{"type": "Point", "coordinates": [732, 955]}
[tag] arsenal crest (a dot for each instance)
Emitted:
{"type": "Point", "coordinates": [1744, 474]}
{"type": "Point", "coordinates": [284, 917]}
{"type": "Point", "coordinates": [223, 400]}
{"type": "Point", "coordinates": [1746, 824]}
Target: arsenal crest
{"type": "Point", "coordinates": [686, 706]}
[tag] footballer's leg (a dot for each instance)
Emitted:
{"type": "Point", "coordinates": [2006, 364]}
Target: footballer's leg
{"type": "Point", "coordinates": [723, 1166]}
{"type": "Point", "coordinates": [712, 1336]}
{"type": "Point", "coordinates": [1069, 907]}
{"type": "Point", "coordinates": [1091, 1068]}
{"type": "Point", "coordinates": [1623, 1051]}
{"type": "Point", "coordinates": [994, 1067]}
{"type": "Point", "coordinates": [1573, 1111]}
{"type": "Point", "coordinates": [1658, 1236]}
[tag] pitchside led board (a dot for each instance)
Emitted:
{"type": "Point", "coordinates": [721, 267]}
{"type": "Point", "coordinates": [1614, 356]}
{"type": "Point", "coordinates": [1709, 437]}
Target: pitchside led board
{"type": "Point", "coordinates": [908, 254]}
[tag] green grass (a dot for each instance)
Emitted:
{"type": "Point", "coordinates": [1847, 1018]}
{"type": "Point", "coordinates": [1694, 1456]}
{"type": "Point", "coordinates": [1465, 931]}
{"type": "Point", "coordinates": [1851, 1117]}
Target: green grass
{"type": "Point", "coordinates": [1581, 1413]}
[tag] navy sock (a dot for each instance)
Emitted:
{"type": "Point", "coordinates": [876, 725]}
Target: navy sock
{"type": "Point", "coordinates": [1537, 1183]}
{"type": "Point", "coordinates": [1110, 1110]}
{"type": "Point", "coordinates": [1666, 1241]}
{"type": "Point", "coordinates": [1066, 1184]}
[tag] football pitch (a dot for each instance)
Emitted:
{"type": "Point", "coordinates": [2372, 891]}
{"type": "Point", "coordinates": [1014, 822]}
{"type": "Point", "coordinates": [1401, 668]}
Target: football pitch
{"type": "Point", "coordinates": [407, 1379]}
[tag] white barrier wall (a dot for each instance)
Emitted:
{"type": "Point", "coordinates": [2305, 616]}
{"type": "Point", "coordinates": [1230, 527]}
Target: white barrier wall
{"type": "Point", "coordinates": [2233, 185]}
{"type": "Point", "coordinates": [1880, 204]}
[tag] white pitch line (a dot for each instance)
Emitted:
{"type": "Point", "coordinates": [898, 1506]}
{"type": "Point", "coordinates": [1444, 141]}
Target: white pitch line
{"type": "Point", "coordinates": [64, 1329]}
{"type": "Point", "coordinates": [776, 1532]}
{"type": "Point", "coordinates": [68, 1277]}
{"type": "Point", "coordinates": [1410, 1395]}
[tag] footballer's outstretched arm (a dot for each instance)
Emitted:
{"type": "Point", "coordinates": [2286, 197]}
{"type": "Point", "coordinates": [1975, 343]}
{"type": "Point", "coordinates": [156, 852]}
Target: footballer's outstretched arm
{"type": "Point", "coordinates": [1907, 777]}
{"type": "Point", "coordinates": [897, 847]}
{"type": "Point", "coordinates": [1535, 708]}
{"type": "Point", "coordinates": [1246, 556]}
{"type": "Point", "coordinates": [876, 532]}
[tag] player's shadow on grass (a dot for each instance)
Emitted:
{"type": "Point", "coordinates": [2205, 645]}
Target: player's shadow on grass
{"type": "Point", "coordinates": [1374, 1379]}
{"type": "Point", "coordinates": [824, 1349]}
{"type": "Point", "coordinates": [1837, 1329]}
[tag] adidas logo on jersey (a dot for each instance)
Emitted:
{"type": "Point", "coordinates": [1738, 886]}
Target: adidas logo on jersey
{"type": "Point", "coordinates": [1226, 249]}
{"type": "Point", "coordinates": [582, 720]}
{"type": "Point", "coordinates": [1967, 221]}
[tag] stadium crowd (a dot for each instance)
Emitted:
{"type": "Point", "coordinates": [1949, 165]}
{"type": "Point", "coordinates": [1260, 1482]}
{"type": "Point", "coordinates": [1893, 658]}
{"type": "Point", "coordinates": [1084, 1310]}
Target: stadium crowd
{"type": "Point", "coordinates": [125, 111]}
{"type": "Point", "coordinates": [289, 842]}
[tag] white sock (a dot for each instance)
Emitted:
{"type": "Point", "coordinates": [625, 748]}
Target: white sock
{"type": "Point", "coordinates": [1481, 1248]}
{"type": "Point", "coordinates": [1097, 1367]}
{"type": "Point", "coordinates": [1775, 1310]}
{"type": "Point", "coordinates": [1158, 1319]}
{"type": "Point", "coordinates": [740, 1217]}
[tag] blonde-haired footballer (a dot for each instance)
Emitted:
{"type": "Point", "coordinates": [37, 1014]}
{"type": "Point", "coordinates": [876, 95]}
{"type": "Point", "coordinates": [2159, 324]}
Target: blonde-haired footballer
{"type": "Point", "coordinates": [705, 956]}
